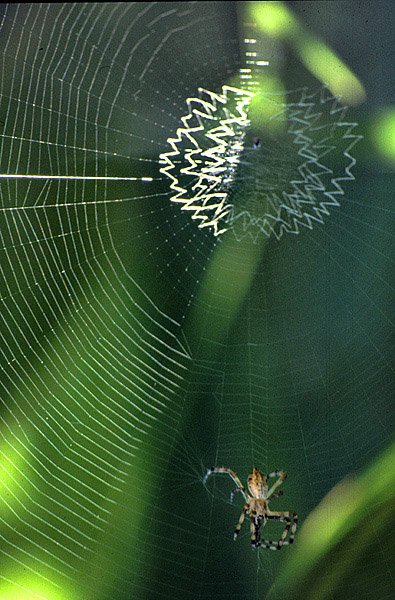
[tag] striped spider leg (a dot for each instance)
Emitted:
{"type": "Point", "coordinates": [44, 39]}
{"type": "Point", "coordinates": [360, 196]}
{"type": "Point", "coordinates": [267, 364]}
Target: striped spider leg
{"type": "Point", "coordinates": [291, 521]}
{"type": "Point", "coordinates": [282, 475]}
{"type": "Point", "coordinates": [240, 487]}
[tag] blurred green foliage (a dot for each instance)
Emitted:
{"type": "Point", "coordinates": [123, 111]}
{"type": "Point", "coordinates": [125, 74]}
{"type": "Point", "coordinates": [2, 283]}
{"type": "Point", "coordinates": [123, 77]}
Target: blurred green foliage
{"type": "Point", "coordinates": [350, 525]}
{"type": "Point", "coordinates": [276, 20]}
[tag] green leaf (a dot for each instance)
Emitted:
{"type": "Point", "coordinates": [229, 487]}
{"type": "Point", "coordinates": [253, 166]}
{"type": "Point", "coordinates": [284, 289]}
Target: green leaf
{"type": "Point", "coordinates": [343, 538]}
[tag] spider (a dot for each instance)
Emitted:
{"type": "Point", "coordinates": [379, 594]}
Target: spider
{"type": "Point", "coordinates": [257, 506]}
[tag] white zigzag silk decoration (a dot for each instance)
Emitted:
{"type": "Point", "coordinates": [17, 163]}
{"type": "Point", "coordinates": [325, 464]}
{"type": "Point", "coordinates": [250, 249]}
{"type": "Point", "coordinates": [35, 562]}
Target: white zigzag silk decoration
{"type": "Point", "coordinates": [209, 146]}
{"type": "Point", "coordinates": [266, 177]}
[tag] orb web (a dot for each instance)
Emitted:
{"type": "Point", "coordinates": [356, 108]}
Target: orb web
{"type": "Point", "coordinates": [109, 289]}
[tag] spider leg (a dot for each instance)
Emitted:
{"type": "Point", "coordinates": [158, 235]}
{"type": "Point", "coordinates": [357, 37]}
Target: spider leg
{"type": "Point", "coordinates": [234, 492]}
{"type": "Point", "coordinates": [258, 525]}
{"type": "Point", "coordinates": [255, 529]}
{"type": "Point", "coordinates": [241, 520]}
{"type": "Point", "coordinates": [269, 544]}
{"type": "Point", "coordinates": [281, 477]}
{"type": "Point", "coordinates": [229, 472]}
{"type": "Point", "coordinates": [290, 528]}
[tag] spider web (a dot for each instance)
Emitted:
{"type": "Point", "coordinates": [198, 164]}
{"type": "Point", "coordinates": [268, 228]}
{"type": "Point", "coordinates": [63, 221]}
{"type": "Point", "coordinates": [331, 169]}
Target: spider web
{"type": "Point", "coordinates": [125, 368]}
